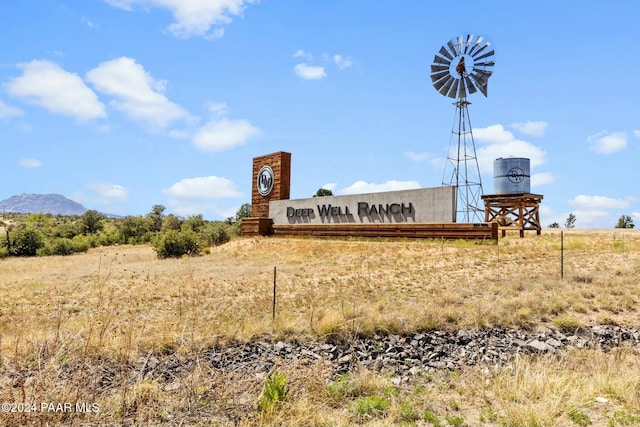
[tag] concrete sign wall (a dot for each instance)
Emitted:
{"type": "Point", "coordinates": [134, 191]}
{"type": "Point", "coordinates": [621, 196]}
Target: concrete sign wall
{"type": "Point", "coordinates": [420, 206]}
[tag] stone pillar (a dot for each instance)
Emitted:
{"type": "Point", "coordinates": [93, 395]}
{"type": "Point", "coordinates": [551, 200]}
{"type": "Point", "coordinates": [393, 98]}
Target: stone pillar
{"type": "Point", "coordinates": [271, 180]}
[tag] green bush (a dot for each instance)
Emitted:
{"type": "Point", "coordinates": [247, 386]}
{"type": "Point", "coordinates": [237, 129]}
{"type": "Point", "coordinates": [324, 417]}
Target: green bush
{"type": "Point", "coordinates": [431, 418]}
{"type": "Point", "coordinates": [25, 242]}
{"type": "Point", "coordinates": [370, 407]}
{"type": "Point", "coordinates": [59, 246]}
{"type": "Point", "coordinates": [408, 413]}
{"type": "Point", "coordinates": [174, 244]}
{"type": "Point", "coordinates": [274, 393]}
{"type": "Point", "coordinates": [82, 243]}
{"type": "Point", "coordinates": [214, 234]}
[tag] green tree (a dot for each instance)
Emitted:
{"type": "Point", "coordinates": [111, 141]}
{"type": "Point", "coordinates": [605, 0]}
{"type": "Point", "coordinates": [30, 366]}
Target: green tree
{"type": "Point", "coordinates": [244, 211]}
{"type": "Point", "coordinates": [25, 242]}
{"type": "Point", "coordinates": [134, 229]}
{"type": "Point", "coordinates": [193, 223]}
{"type": "Point", "coordinates": [91, 222]}
{"type": "Point", "coordinates": [571, 221]}
{"type": "Point", "coordinates": [155, 217]}
{"type": "Point", "coordinates": [625, 221]}
{"type": "Point", "coordinates": [323, 192]}
{"type": "Point", "coordinates": [171, 222]}
{"type": "Point", "coordinates": [554, 225]}
{"type": "Point", "coordinates": [215, 234]}
{"type": "Point", "coordinates": [39, 220]}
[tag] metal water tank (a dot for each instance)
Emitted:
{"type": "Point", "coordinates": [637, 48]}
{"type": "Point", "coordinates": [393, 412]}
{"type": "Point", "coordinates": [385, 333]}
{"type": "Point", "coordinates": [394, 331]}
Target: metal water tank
{"type": "Point", "coordinates": [511, 175]}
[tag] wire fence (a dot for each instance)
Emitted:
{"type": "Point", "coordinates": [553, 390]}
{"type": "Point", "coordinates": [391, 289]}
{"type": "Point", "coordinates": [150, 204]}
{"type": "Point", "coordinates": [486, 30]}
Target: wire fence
{"type": "Point", "coordinates": [573, 255]}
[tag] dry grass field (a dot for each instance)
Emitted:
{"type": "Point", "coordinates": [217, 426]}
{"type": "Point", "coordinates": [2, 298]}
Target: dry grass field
{"type": "Point", "coordinates": [70, 325]}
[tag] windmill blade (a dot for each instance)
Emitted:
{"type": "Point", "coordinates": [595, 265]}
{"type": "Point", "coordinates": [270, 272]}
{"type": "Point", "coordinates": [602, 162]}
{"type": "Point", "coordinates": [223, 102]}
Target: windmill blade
{"type": "Point", "coordinates": [476, 45]}
{"type": "Point", "coordinates": [481, 79]}
{"type": "Point", "coordinates": [439, 60]}
{"type": "Point", "coordinates": [445, 53]}
{"type": "Point", "coordinates": [485, 73]}
{"type": "Point", "coordinates": [469, 84]}
{"type": "Point", "coordinates": [480, 50]}
{"type": "Point", "coordinates": [438, 68]}
{"type": "Point", "coordinates": [440, 83]}
{"type": "Point", "coordinates": [467, 44]}
{"type": "Point", "coordinates": [483, 64]}
{"type": "Point", "coordinates": [454, 89]}
{"type": "Point", "coordinates": [437, 76]}
{"type": "Point", "coordinates": [461, 45]}
{"type": "Point", "coordinates": [486, 55]}
{"type": "Point", "coordinates": [445, 89]}
{"type": "Point", "coordinates": [452, 47]}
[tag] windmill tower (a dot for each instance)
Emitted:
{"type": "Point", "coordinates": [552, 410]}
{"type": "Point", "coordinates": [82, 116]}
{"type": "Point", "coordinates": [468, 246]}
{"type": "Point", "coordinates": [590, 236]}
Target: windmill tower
{"type": "Point", "coordinates": [463, 66]}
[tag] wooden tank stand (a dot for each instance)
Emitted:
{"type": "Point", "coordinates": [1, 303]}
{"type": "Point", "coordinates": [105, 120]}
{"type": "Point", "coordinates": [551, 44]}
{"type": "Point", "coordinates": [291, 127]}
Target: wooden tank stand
{"type": "Point", "coordinates": [514, 211]}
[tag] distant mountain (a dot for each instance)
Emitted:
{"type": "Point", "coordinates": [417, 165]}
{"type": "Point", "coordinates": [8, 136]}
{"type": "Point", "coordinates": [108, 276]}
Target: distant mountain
{"type": "Point", "coordinates": [54, 204]}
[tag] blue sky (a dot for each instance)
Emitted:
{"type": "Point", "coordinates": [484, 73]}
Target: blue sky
{"type": "Point", "coordinates": [123, 104]}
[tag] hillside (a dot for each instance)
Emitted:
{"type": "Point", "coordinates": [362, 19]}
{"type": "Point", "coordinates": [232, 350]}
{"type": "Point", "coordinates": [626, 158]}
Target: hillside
{"type": "Point", "coordinates": [54, 204]}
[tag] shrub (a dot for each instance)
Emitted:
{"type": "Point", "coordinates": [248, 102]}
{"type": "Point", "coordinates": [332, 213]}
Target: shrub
{"type": "Point", "coordinates": [25, 242]}
{"type": "Point", "coordinates": [408, 413]}
{"type": "Point", "coordinates": [274, 393]}
{"type": "Point", "coordinates": [214, 234]}
{"type": "Point", "coordinates": [455, 421]}
{"type": "Point", "coordinates": [83, 243]}
{"type": "Point", "coordinates": [370, 407]}
{"type": "Point", "coordinates": [431, 418]}
{"type": "Point", "coordinates": [579, 417]}
{"type": "Point", "coordinates": [174, 244]}
{"type": "Point", "coordinates": [59, 246]}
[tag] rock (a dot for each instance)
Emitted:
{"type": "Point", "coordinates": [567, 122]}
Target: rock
{"type": "Point", "coordinates": [344, 359]}
{"type": "Point", "coordinates": [540, 346]}
{"type": "Point", "coordinates": [553, 343]}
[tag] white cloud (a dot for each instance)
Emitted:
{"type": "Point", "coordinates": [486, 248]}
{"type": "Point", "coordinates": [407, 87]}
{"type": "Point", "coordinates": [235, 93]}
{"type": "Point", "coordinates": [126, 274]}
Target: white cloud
{"type": "Point", "coordinates": [598, 202]}
{"type": "Point", "coordinates": [360, 187]}
{"type": "Point", "coordinates": [542, 178]}
{"type": "Point", "coordinates": [7, 111]}
{"type": "Point", "coordinates": [193, 17]}
{"type": "Point", "coordinates": [90, 23]}
{"type": "Point", "coordinates": [598, 218]}
{"type": "Point", "coordinates": [607, 143]}
{"type": "Point", "coordinates": [30, 163]}
{"type": "Point", "coordinates": [499, 142]}
{"type": "Point", "coordinates": [204, 187]}
{"type": "Point", "coordinates": [330, 186]}
{"type": "Point", "coordinates": [531, 128]}
{"type": "Point", "coordinates": [310, 72]}
{"type": "Point", "coordinates": [137, 94]}
{"type": "Point", "coordinates": [219, 135]}
{"type": "Point", "coordinates": [302, 54]}
{"type": "Point", "coordinates": [342, 62]}
{"type": "Point", "coordinates": [109, 193]}
{"type": "Point", "coordinates": [217, 108]}
{"type": "Point", "coordinates": [637, 132]}
{"type": "Point", "coordinates": [49, 86]}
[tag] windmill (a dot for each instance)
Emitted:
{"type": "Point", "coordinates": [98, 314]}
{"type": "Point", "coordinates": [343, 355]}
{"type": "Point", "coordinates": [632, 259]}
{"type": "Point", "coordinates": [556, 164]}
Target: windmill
{"type": "Point", "coordinates": [463, 66]}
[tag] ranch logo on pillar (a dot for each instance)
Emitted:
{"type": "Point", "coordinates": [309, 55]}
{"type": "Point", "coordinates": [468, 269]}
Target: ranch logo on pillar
{"type": "Point", "coordinates": [265, 180]}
